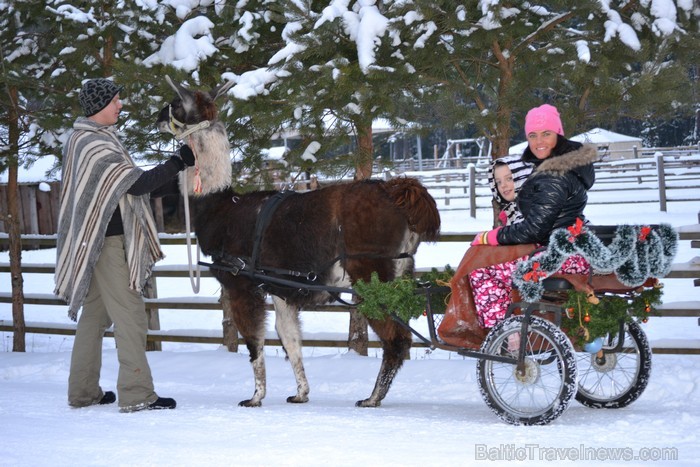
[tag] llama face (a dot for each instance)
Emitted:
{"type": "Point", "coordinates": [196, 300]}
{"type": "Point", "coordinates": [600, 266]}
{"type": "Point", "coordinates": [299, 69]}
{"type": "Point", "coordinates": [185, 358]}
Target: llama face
{"type": "Point", "coordinates": [189, 107]}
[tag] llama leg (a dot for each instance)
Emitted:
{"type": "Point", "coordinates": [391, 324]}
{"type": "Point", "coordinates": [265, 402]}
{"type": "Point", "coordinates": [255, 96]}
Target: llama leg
{"type": "Point", "coordinates": [257, 359]}
{"type": "Point", "coordinates": [247, 307]}
{"type": "Point", "coordinates": [396, 343]}
{"type": "Point", "coordinates": [289, 332]}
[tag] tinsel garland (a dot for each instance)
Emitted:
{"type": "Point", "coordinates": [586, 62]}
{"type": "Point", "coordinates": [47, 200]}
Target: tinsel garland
{"type": "Point", "coordinates": [637, 252]}
{"type": "Point", "coordinates": [583, 321]}
{"type": "Point", "coordinates": [379, 299]}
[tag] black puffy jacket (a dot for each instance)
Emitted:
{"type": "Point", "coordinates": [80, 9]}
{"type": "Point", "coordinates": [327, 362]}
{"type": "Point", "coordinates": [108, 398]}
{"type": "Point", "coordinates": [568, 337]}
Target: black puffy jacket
{"type": "Point", "coordinates": [554, 195]}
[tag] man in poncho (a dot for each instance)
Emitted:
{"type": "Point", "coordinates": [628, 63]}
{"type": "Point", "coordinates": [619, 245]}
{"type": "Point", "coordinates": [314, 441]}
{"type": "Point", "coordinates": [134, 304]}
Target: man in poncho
{"type": "Point", "coordinates": [107, 245]}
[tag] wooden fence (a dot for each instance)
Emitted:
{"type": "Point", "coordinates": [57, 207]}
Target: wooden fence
{"type": "Point", "coordinates": [154, 305]}
{"type": "Point", "coordinates": [657, 174]}
{"type": "Point", "coordinates": [661, 178]}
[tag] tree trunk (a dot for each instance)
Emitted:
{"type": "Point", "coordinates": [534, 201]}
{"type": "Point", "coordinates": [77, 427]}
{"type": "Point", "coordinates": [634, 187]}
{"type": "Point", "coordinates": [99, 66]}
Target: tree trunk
{"type": "Point", "coordinates": [13, 229]}
{"type": "Point", "coordinates": [357, 333]}
{"type": "Point", "coordinates": [365, 151]}
{"type": "Point", "coordinates": [504, 109]}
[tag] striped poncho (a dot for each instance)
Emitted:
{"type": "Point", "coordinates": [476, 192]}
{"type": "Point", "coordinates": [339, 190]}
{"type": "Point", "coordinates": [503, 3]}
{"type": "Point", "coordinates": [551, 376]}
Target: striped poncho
{"type": "Point", "coordinates": [97, 172]}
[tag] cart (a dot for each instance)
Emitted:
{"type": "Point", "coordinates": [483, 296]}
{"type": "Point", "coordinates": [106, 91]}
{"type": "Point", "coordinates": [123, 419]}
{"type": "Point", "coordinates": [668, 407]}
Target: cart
{"type": "Point", "coordinates": [528, 369]}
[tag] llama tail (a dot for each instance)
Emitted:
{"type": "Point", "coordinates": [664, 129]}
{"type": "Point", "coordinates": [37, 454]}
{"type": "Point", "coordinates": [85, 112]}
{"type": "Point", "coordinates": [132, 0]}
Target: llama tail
{"type": "Point", "coordinates": [420, 208]}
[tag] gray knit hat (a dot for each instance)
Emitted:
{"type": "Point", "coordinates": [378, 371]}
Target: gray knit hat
{"type": "Point", "coordinates": [96, 94]}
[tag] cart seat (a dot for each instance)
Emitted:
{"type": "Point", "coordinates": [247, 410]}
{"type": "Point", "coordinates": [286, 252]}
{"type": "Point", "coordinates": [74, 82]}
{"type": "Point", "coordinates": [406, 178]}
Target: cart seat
{"type": "Point", "coordinates": [556, 284]}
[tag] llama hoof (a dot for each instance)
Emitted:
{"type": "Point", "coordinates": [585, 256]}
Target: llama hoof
{"type": "Point", "coordinates": [249, 403]}
{"type": "Point", "coordinates": [367, 403]}
{"type": "Point", "coordinates": [297, 399]}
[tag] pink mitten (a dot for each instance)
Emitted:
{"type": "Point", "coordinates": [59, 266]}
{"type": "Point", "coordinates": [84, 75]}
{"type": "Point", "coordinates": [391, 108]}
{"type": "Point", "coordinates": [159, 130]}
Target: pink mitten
{"type": "Point", "coordinates": [503, 218]}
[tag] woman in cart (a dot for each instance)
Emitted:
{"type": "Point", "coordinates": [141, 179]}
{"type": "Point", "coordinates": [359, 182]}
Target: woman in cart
{"type": "Point", "coordinates": [553, 196]}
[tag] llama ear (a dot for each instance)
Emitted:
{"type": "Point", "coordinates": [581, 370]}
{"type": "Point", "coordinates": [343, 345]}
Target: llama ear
{"type": "Point", "coordinates": [177, 87]}
{"type": "Point", "coordinates": [221, 90]}
{"type": "Point", "coordinates": [185, 94]}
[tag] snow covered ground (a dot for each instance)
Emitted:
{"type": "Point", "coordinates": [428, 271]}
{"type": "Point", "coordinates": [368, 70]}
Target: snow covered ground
{"type": "Point", "coordinates": [433, 414]}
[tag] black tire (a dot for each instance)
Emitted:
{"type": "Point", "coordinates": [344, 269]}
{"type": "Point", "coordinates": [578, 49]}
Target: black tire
{"type": "Point", "coordinates": [548, 386]}
{"type": "Point", "coordinates": [620, 378]}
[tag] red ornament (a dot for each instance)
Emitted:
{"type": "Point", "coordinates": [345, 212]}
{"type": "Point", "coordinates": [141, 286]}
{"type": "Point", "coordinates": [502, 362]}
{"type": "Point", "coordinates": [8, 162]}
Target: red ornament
{"type": "Point", "coordinates": [534, 275]}
{"type": "Point", "coordinates": [644, 232]}
{"type": "Point", "coordinates": [586, 319]}
{"type": "Point", "coordinates": [575, 230]}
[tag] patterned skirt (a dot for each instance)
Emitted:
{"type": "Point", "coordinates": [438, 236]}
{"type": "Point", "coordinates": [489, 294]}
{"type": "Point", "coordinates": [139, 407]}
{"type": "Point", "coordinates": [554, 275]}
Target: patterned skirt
{"type": "Point", "coordinates": [492, 287]}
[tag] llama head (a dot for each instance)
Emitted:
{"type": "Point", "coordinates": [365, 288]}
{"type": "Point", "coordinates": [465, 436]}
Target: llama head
{"type": "Point", "coordinates": [189, 107]}
{"type": "Point", "coordinates": [182, 118]}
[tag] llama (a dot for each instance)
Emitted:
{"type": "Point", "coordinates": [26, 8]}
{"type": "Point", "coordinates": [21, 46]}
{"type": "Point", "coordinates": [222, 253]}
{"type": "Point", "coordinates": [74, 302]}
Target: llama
{"type": "Point", "coordinates": [333, 236]}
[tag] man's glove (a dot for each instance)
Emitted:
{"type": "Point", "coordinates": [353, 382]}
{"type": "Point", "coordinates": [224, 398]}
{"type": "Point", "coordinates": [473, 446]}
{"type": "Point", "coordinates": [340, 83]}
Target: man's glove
{"type": "Point", "coordinates": [186, 155]}
{"type": "Point", "coordinates": [487, 238]}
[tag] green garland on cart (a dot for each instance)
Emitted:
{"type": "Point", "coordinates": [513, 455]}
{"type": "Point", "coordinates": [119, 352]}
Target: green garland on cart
{"type": "Point", "coordinates": [378, 299]}
{"type": "Point", "coordinates": [584, 321]}
{"type": "Point", "coordinates": [635, 254]}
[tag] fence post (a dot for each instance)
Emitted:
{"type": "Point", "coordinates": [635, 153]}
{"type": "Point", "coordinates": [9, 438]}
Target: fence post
{"type": "Point", "coordinates": [358, 338]}
{"type": "Point", "coordinates": [230, 330]}
{"type": "Point", "coordinates": [472, 191]}
{"type": "Point", "coordinates": [150, 290]}
{"type": "Point", "coordinates": [447, 190]}
{"type": "Point", "coordinates": [662, 180]}
{"type": "Point", "coordinates": [636, 156]}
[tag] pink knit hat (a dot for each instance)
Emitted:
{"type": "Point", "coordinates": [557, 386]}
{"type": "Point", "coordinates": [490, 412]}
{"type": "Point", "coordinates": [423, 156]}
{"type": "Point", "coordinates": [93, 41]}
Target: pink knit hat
{"type": "Point", "coordinates": [544, 117]}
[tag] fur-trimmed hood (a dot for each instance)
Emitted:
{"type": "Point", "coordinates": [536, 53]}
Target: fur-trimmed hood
{"type": "Point", "coordinates": [570, 161]}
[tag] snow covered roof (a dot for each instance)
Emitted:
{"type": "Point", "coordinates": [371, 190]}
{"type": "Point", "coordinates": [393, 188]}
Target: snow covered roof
{"type": "Point", "coordinates": [599, 135]}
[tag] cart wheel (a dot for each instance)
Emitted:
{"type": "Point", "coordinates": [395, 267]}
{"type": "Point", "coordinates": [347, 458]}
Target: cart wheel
{"type": "Point", "coordinates": [617, 379]}
{"type": "Point", "coordinates": [547, 386]}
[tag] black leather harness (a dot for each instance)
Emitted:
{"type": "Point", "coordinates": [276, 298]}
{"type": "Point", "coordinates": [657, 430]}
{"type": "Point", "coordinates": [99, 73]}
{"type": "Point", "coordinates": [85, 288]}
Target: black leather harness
{"type": "Point", "coordinates": [300, 280]}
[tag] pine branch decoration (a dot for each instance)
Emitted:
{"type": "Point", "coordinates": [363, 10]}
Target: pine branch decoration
{"type": "Point", "coordinates": [380, 299]}
{"type": "Point", "coordinates": [584, 321]}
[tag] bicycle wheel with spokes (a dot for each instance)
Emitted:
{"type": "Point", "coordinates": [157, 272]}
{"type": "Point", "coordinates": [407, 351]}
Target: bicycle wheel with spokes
{"type": "Point", "coordinates": [615, 380]}
{"type": "Point", "coordinates": [543, 389]}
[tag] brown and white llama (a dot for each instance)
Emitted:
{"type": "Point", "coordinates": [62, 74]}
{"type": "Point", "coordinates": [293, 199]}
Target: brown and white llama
{"type": "Point", "coordinates": [337, 235]}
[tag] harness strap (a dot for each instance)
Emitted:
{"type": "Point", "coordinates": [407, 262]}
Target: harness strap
{"type": "Point", "coordinates": [277, 280]}
{"type": "Point", "coordinates": [263, 221]}
{"type": "Point", "coordinates": [182, 130]}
